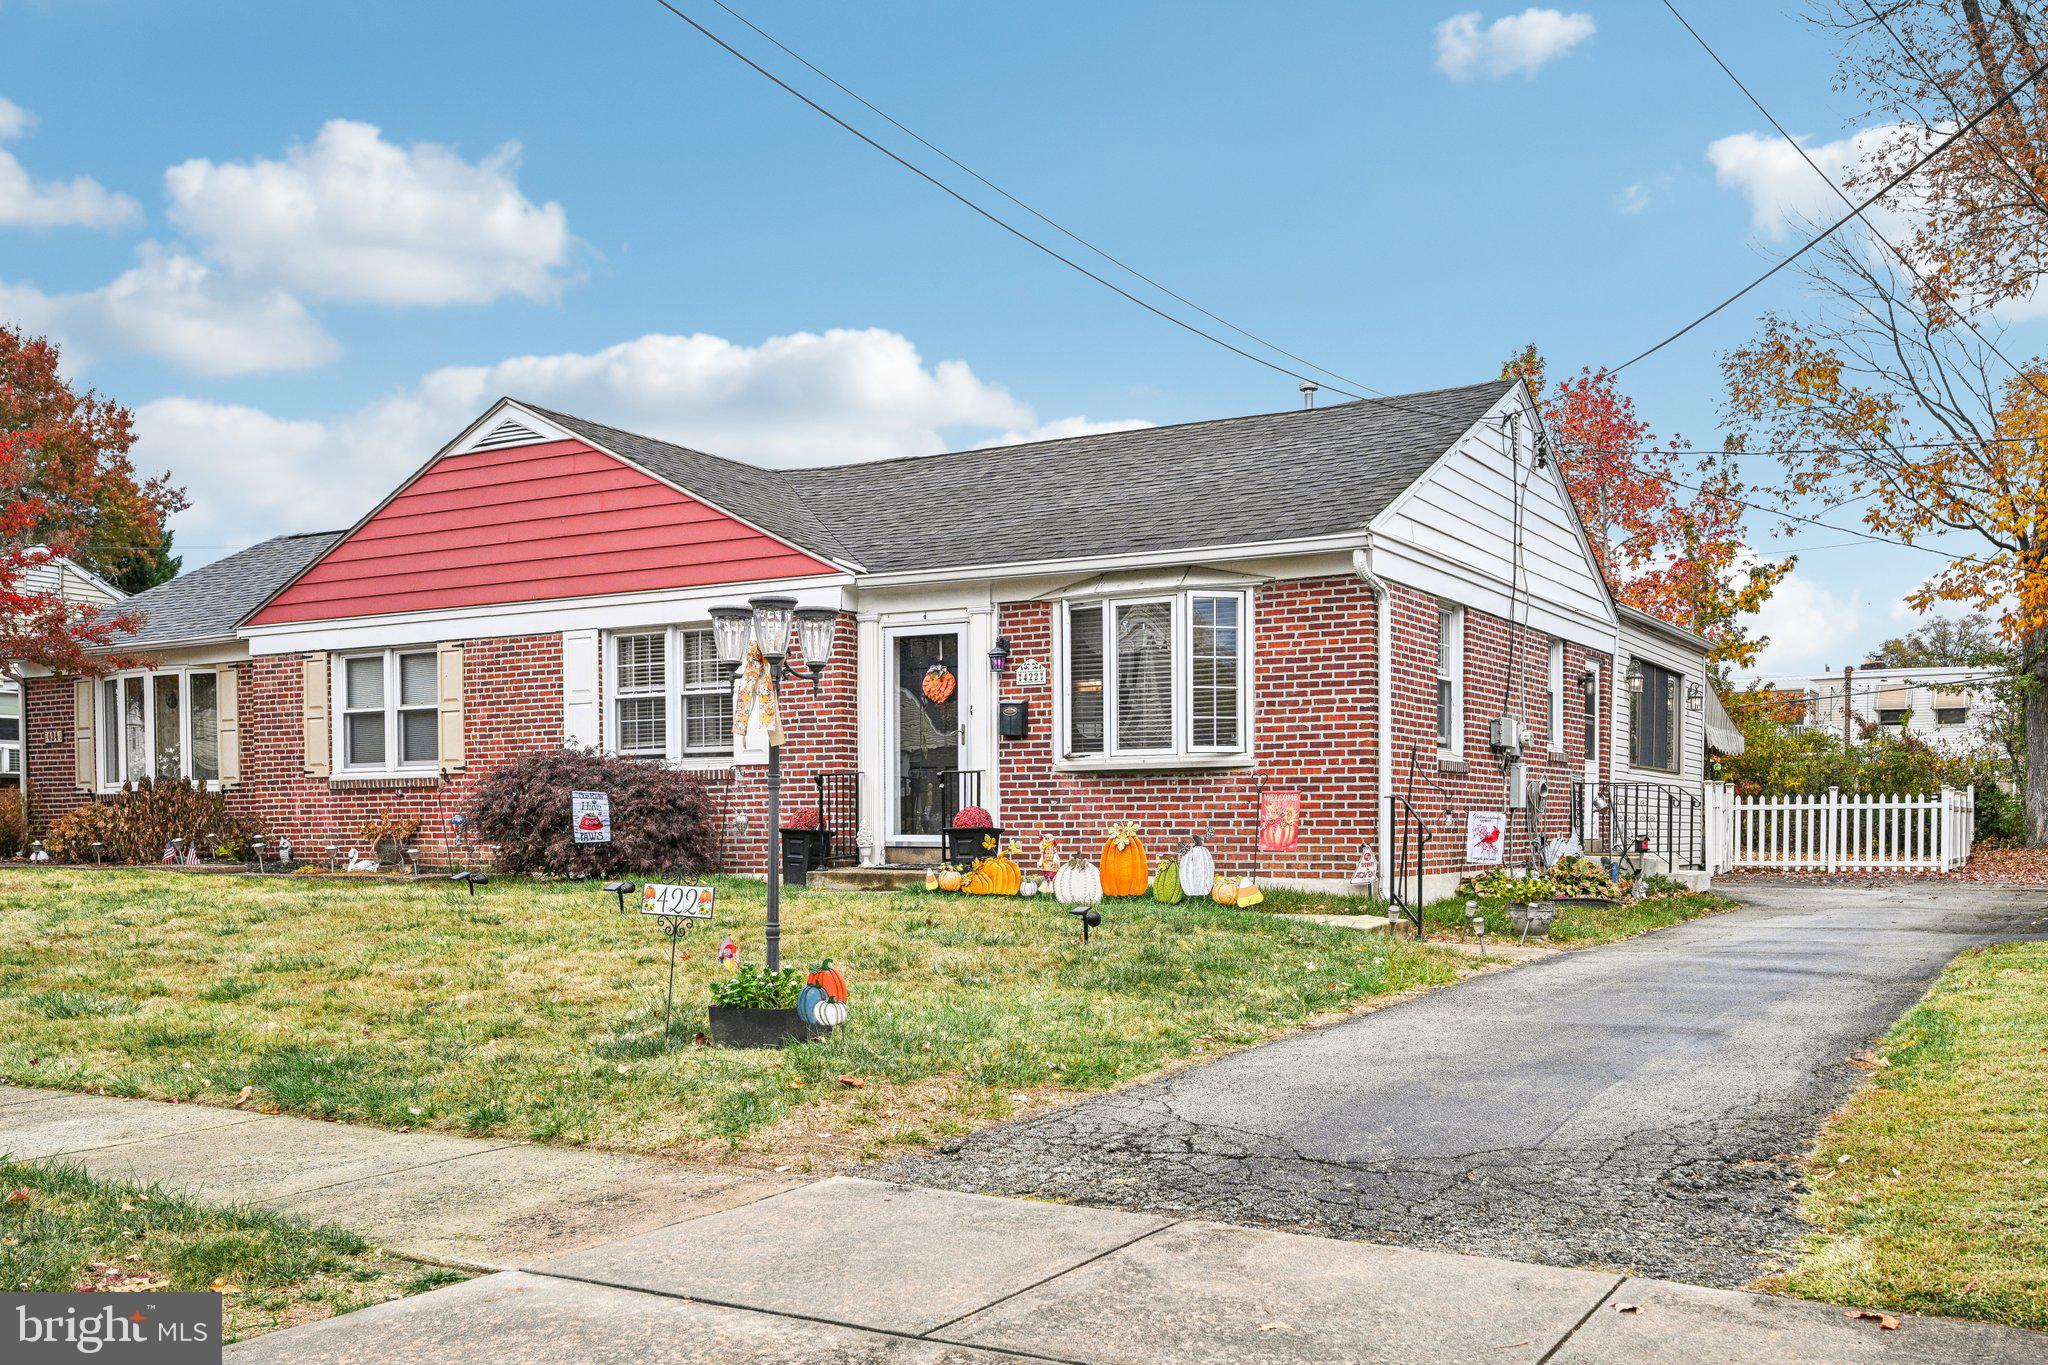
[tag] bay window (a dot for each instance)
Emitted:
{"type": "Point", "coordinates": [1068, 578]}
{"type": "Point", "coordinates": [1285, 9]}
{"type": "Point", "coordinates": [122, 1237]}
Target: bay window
{"type": "Point", "coordinates": [390, 710]}
{"type": "Point", "coordinates": [669, 697]}
{"type": "Point", "coordinates": [162, 725]}
{"type": "Point", "coordinates": [1157, 677]}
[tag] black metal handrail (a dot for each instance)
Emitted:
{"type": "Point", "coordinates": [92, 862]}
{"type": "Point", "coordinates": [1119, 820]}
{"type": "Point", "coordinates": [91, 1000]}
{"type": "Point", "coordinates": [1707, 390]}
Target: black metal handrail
{"type": "Point", "coordinates": [839, 816]}
{"type": "Point", "coordinates": [1671, 817]}
{"type": "Point", "coordinates": [1404, 818]}
{"type": "Point", "coordinates": [959, 788]}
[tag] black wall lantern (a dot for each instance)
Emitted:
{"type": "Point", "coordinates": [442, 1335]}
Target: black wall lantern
{"type": "Point", "coordinates": [1695, 697]}
{"type": "Point", "coordinates": [999, 657]}
{"type": "Point", "coordinates": [1635, 677]}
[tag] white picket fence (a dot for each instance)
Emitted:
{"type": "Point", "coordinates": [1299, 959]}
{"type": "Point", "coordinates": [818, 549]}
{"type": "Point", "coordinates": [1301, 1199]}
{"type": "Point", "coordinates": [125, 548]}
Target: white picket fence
{"type": "Point", "coordinates": [1838, 831]}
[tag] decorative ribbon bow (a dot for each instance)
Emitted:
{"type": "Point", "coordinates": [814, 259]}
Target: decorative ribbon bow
{"type": "Point", "coordinates": [754, 701]}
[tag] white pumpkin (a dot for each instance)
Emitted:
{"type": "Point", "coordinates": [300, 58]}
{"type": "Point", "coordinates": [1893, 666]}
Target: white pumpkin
{"type": "Point", "coordinates": [1078, 883]}
{"type": "Point", "coordinates": [1028, 887]}
{"type": "Point", "coordinates": [830, 1013]}
{"type": "Point", "coordinates": [1197, 870]}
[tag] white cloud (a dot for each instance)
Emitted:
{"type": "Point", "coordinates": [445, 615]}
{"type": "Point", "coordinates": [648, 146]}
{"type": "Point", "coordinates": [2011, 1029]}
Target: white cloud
{"type": "Point", "coordinates": [1783, 191]}
{"type": "Point", "coordinates": [356, 218]}
{"type": "Point", "coordinates": [806, 398]}
{"type": "Point", "coordinates": [1810, 628]}
{"type": "Point", "coordinates": [1634, 199]}
{"type": "Point", "coordinates": [178, 310]}
{"type": "Point", "coordinates": [1514, 43]}
{"type": "Point", "coordinates": [27, 202]}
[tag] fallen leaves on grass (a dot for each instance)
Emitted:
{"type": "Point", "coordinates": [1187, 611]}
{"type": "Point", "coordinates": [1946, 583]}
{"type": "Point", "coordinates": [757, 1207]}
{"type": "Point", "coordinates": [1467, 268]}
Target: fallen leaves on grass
{"type": "Point", "coordinates": [852, 1082]}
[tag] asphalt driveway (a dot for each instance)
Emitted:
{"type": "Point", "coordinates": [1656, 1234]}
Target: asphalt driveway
{"type": "Point", "coordinates": [1640, 1106]}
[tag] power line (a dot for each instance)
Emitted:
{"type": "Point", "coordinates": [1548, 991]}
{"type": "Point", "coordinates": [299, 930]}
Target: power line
{"type": "Point", "coordinates": [1855, 212]}
{"type": "Point", "coordinates": [1829, 181]}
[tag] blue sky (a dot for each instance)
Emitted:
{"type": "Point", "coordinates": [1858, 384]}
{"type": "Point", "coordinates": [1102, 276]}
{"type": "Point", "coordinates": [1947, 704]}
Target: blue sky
{"type": "Point", "coordinates": [308, 243]}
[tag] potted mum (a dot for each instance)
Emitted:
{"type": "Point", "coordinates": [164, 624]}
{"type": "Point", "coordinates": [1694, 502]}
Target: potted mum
{"type": "Point", "coordinates": [974, 835]}
{"type": "Point", "coordinates": [757, 1008]}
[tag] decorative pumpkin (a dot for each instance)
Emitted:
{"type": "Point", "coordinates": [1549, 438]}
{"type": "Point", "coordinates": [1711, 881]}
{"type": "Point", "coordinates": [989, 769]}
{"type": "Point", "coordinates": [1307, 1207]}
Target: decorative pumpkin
{"type": "Point", "coordinates": [1002, 874]}
{"type": "Point", "coordinates": [808, 1001]}
{"type": "Point", "coordinates": [1123, 861]}
{"type": "Point", "coordinates": [1248, 893]}
{"type": "Point", "coordinates": [979, 883]}
{"type": "Point", "coordinates": [828, 979]}
{"type": "Point", "coordinates": [939, 682]}
{"type": "Point", "coordinates": [1224, 892]}
{"type": "Point", "coordinates": [1077, 883]}
{"type": "Point", "coordinates": [973, 817]}
{"type": "Point", "coordinates": [830, 1013]}
{"type": "Point", "coordinates": [950, 878]}
{"type": "Point", "coordinates": [931, 879]}
{"type": "Point", "coordinates": [1197, 869]}
{"type": "Point", "coordinates": [1029, 887]}
{"type": "Point", "coordinates": [1166, 886]}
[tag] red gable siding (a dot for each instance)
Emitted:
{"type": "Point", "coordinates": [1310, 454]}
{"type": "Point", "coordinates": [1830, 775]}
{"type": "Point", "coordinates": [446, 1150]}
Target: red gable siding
{"type": "Point", "coordinates": [530, 523]}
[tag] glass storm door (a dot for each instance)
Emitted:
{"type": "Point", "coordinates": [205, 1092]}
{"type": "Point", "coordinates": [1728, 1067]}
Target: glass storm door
{"type": "Point", "coordinates": [925, 733]}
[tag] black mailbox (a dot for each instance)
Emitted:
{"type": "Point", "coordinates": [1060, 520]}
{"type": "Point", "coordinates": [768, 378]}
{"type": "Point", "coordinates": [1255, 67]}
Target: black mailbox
{"type": "Point", "coordinates": [1013, 719]}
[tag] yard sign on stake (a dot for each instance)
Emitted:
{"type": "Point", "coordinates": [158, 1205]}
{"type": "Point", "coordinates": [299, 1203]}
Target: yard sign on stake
{"type": "Point", "coordinates": [674, 907]}
{"type": "Point", "coordinates": [590, 817]}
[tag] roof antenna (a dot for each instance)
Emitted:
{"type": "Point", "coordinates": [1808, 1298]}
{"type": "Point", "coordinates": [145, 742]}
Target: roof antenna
{"type": "Point", "coordinates": [1308, 392]}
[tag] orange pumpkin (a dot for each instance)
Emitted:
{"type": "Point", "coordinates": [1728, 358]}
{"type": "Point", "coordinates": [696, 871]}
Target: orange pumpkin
{"type": "Point", "coordinates": [978, 881]}
{"type": "Point", "coordinates": [939, 682]}
{"type": "Point", "coordinates": [949, 879]}
{"type": "Point", "coordinates": [1224, 892]}
{"type": "Point", "coordinates": [1123, 861]}
{"type": "Point", "coordinates": [827, 978]}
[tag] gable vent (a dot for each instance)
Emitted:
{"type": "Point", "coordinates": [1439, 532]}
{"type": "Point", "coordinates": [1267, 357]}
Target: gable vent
{"type": "Point", "coordinates": [508, 433]}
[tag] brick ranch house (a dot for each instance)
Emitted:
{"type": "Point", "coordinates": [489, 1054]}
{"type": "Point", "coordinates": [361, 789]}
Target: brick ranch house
{"type": "Point", "coordinates": [1327, 601]}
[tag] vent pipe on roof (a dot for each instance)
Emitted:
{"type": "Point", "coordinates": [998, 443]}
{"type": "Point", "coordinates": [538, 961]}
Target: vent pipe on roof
{"type": "Point", "coordinates": [1308, 392]}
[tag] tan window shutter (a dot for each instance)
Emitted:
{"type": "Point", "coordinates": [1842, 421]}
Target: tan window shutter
{"type": "Point", "coordinates": [227, 694]}
{"type": "Point", "coordinates": [451, 708]}
{"type": "Point", "coordinates": [316, 703]}
{"type": "Point", "coordinates": [81, 732]}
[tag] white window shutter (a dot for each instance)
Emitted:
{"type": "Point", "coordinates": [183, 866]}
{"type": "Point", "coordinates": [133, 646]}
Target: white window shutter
{"type": "Point", "coordinates": [452, 722]}
{"type": "Point", "coordinates": [227, 692]}
{"type": "Point", "coordinates": [317, 702]}
{"type": "Point", "coordinates": [81, 732]}
{"type": "Point", "coordinates": [582, 722]}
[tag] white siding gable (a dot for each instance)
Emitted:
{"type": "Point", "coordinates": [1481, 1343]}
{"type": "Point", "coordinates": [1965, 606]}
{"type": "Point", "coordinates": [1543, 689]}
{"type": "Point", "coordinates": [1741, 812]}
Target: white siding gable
{"type": "Point", "coordinates": [1452, 533]}
{"type": "Point", "coordinates": [1690, 664]}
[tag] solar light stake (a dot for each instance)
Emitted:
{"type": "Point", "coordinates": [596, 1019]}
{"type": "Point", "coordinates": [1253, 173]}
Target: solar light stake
{"type": "Point", "coordinates": [621, 890]}
{"type": "Point", "coordinates": [1089, 916]}
{"type": "Point", "coordinates": [474, 879]}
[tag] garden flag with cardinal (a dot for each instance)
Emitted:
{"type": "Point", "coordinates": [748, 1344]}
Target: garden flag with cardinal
{"type": "Point", "coordinates": [1485, 836]}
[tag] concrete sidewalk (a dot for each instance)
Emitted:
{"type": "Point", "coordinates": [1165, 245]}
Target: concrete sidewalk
{"type": "Point", "coordinates": [480, 1203]}
{"type": "Point", "coordinates": [625, 1259]}
{"type": "Point", "coordinates": [858, 1270]}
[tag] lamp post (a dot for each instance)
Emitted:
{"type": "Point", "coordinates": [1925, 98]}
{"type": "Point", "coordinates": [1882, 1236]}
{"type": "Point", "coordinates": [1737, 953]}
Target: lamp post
{"type": "Point", "coordinates": [766, 623]}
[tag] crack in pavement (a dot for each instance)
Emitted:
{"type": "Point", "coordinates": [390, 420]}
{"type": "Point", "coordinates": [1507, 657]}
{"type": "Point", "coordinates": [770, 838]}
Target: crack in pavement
{"type": "Point", "coordinates": [1645, 1106]}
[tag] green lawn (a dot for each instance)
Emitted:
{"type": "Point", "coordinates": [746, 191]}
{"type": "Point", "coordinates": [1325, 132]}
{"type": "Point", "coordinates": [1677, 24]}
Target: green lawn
{"type": "Point", "coordinates": [535, 1011]}
{"type": "Point", "coordinates": [1929, 1192]}
{"type": "Point", "coordinates": [61, 1230]}
{"type": "Point", "coordinates": [1580, 926]}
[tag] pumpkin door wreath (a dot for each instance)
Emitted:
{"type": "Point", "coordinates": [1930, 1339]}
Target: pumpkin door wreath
{"type": "Point", "coordinates": [939, 683]}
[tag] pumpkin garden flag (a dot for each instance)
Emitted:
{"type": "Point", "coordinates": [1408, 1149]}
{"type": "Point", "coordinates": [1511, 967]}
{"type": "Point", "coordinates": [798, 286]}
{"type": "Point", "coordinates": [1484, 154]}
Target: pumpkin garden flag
{"type": "Point", "coordinates": [1279, 821]}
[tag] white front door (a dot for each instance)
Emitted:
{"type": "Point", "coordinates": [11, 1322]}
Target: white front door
{"type": "Point", "coordinates": [924, 730]}
{"type": "Point", "coordinates": [1590, 789]}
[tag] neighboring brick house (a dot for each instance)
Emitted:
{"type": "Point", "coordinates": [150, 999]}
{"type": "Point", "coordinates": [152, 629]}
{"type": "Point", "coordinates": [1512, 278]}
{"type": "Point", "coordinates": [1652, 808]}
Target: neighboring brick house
{"type": "Point", "coordinates": [1337, 602]}
{"type": "Point", "coordinates": [68, 581]}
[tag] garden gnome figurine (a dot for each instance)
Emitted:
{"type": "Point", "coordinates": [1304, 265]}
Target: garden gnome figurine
{"type": "Point", "coordinates": [729, 954]}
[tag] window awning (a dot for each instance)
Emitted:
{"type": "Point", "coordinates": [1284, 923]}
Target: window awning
{"type": "Point", "coordinates": [1894, 698]}
{"type": "Point", "coordinates": [1723, 735]}
{"type": "Point", "coordinates": [1947, 697]}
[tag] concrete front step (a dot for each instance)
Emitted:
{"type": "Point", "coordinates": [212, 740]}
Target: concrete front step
{"type": "Point", "coordinates": [867, 879]}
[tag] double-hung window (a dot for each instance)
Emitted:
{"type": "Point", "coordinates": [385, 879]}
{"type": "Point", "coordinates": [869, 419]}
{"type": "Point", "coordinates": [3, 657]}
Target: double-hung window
{"type": "Point", "coordinates": [162, 725]}
{"type": "Point", "coordinates": [391, 710]}
{"type": "Point", "coordinates": [1450, 678]}
{"type": "Point", "coordinates": [1653, 719]}
{"type": "Point", "coordinates": [1157, 678]}
{"type": "Point", "coordinates": [10, 733]}
{"type": "Point", "coordinates": [670, 697]}
{"type": "Point", "coordinates": [1554, 714]}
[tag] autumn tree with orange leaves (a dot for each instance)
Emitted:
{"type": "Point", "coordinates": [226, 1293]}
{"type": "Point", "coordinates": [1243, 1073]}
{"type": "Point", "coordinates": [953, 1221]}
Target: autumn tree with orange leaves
{"type": "Point", "coordinates": [1679, 553]}
{"type": "Point", "coordinates": [1888, 389]}
{"type": "Point", "coordinates": [71, 490]}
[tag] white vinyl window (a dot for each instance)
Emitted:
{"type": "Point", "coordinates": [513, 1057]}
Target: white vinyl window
{"type": "Point", "coordinates": [1157, 677]}
{"type": "Point", "coordinates": [164, 724]}
{"type": "Point", "coordinates": [390, 707]}
{"type": "Point", "coordinates": [10, 733]}
{"type": "Point", "coordinates": [1450, 678]}
{"type": "Point", "coordinates": [1554, 714]}
{"type": "Point", "coordinates": [669, 696]}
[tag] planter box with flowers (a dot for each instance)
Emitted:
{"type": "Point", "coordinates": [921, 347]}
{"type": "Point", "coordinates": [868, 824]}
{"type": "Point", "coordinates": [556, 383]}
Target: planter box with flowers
{"type": "Point", "coordinates": [805, 843]}
{"type": "Point", "coordinates": [756, 1008]}
{"type": "Point", "coordinates": [973, 835]}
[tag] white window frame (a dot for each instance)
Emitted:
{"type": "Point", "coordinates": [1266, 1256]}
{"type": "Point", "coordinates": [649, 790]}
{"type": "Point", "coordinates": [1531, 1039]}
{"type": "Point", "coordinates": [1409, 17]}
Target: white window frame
{"type": "Point", "coordinates": [390, 708]}
{"type": "Point", "coordinates": [675, 687]}
{"type": "Point", "coordinates": [1454, 614]}
{"type": "Point", "coordinates": [1555, 719]}
{"type": "Point", "coordinates": [1182, 750]}
{"type": "Point", "coordinates": [10, 749]}
{"type": "Point", "coordinates": [107, 736]}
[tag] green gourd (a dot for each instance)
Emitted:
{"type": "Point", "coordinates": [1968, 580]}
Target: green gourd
{"type": "Point", "coordinates": [1166, 886]}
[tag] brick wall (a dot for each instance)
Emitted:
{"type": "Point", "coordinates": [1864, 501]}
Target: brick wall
{"type": "Point", "coordinates": [46, 749]}
{"type": "Point", "coordinates": [1314, 731]}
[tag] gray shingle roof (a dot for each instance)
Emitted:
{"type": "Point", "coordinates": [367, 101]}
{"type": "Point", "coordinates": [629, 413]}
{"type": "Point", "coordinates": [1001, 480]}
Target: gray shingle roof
{"type": "Point", "coordinates": [209, 602]}
{"type": "Point", "coordinates": [1272, 476]}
